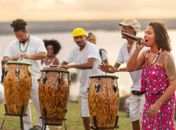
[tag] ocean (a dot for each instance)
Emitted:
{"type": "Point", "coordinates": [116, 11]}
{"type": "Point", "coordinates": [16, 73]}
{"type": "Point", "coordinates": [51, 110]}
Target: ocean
{"type": "Point", "coordinates": [109, 40]}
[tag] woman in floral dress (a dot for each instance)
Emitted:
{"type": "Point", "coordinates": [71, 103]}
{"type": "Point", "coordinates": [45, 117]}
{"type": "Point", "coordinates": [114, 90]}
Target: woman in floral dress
{"type": "Point", "coordinates": [158, 78]}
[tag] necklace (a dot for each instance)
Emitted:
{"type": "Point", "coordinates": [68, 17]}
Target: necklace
{"type": "Point", "coordinates": [25, 49]}
{"type": "Point", "coordinates": [49, 60]}
{"type": "Point", "coordinates": [156, 57]}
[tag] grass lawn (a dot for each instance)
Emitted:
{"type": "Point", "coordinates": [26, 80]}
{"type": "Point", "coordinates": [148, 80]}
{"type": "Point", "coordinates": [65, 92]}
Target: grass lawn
{"type": "Point", "coordinates": [73, 122]}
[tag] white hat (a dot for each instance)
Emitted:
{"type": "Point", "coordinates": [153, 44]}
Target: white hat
{"type": "Point", "coordinates": [132, 23]}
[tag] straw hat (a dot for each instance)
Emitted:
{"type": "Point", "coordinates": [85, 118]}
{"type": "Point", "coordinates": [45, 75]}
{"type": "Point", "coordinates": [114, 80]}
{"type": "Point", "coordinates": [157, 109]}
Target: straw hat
{"type": "Point", "coordinates": [132, 23]}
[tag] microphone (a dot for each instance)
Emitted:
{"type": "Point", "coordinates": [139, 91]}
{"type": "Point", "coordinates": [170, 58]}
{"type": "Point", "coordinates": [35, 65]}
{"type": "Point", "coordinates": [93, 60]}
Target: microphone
{"type": "Point", "coordinates": [135, 38]}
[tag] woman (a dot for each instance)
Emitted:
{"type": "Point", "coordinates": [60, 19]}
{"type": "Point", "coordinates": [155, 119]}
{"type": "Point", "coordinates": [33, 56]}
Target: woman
{"type": "Point", "coordinates": [53, 47]}
{"type": "Point", "coordinates": [158, 78]}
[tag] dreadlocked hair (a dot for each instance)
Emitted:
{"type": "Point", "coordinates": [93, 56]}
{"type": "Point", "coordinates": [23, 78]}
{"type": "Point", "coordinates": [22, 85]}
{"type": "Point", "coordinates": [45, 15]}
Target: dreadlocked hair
{"type": "Point", "coordinates": [19, 25]}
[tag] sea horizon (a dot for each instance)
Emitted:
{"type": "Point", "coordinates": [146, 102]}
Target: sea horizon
{"type": "Point", "coordinates": [67, 26]}
{"type": "Point", "coordinates": [109, 40]}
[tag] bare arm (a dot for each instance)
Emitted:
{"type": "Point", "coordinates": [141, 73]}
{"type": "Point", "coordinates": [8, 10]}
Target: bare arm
{"type": "Point", "coordinates": [5, 59]}
{"type": "Point", "coordinates": [171, 73]}
{"type": "Point", "coordinates": [122, 69]}
{"type": "Point", "coordinates": [109, 68]}
{"type": "Point", "coordinates": [36, 56]}
{"type": "Point", "coordinates": [88, 65]}
{"type": "Point", "coordinates": [64, 63]}
{"type": "Point", "coordinates": [116, 67]}
{"type": "Point", "coordinates": [136, 61]}
{"type": "Point", "coordinates": [105, 62]}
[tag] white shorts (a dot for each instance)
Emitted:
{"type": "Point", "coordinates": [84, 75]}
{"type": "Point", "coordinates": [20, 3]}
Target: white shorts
{"type": "Point", "coordinates": [84, 106]}
{"type": "Point", "coordinates": [136, 105]}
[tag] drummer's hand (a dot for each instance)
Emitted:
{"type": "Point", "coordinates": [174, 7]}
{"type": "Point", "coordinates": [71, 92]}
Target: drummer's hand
{"type": "Point", "coordinates": [105, 68]}
{"type": "Point", "coordinates": [64, 66]}
{"type": "Point", "coordinates": [24, 56]}
{"type": "Point", "coordinates": [15, 58]}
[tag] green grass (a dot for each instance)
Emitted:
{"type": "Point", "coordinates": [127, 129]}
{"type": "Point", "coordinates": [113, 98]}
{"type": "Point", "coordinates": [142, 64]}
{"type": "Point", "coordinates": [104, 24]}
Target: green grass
{"type": "Point", "coordinates": [73, 122]}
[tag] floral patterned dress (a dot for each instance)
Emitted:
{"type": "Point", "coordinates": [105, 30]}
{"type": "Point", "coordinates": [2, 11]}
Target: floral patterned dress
{"type": "Point", "coordinates": [154, 83]}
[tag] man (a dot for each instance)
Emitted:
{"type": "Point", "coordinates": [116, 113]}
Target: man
{"type": "Point", "coordinates": [136, 99]}
{"type": "Point", "coordinates": [103, 54]}
{"type": "Point", "coordinates": [86, 58]}
{"type": "Point", "coordinates": [31, 49]}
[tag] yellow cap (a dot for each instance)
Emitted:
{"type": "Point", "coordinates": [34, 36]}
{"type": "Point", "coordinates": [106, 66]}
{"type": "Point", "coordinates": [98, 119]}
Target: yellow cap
{"type": "Point", "coordinates": [78, 32]}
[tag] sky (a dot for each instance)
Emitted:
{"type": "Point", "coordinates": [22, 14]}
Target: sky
{"type": "Point", "coordinates": [55, 10]}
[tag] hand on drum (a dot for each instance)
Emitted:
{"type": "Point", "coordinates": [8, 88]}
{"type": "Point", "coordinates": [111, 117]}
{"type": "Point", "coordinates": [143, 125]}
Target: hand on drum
{"type": "Point", "coordinates": [22, 56]}
{"type": "Point", "coordinates": [15, 58]}
{"type": "Point", "coordinates": [106, 68]}
{"type": "Point", "coordinates": [64, 66]}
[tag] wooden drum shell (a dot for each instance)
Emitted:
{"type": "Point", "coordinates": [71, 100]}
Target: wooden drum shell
{"type": "Point", "coordinates": [103, 99]}
{"type": "Point", "coordinates": [17, 87]}
{"type": "Point", "coordinates": [53, 94]}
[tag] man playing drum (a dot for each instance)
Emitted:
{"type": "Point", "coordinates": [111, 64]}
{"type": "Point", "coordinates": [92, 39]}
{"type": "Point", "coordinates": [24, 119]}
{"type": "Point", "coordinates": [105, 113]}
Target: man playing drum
{"type": "Point", "coordinates": [30, 49]}
{"type": "Point", "coordinates": [86, 58]}
{"type": "Point", "coordinates": [136, 99]}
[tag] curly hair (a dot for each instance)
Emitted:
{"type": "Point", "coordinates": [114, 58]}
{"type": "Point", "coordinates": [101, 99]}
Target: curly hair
{"type": "Point", "coordinates": [161, 36]}
{"type": "Point", "coordinates": [19, 25]}
{"type": "Point", "coordinates": [56, 45]}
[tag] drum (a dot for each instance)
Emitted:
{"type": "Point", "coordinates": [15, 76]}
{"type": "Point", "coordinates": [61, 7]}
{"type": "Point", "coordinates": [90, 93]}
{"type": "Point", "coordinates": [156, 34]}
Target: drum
{"type": "Point", "coordinates": [17, 87]}
{"type": "Point", "coordinates": [103, 99]}
{"type": "Point", "coordinates": [53, 94]}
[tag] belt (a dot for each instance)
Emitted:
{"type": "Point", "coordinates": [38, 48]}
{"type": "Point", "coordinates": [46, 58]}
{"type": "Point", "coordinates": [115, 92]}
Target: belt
{"type": "Point", "coordinates": [137, 93]}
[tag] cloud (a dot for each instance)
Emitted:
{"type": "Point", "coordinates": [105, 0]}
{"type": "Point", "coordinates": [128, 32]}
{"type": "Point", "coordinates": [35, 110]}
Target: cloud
{"type": "Point", "coordinates": [86, 9]}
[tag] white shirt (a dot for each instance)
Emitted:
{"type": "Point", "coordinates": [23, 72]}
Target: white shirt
{"type": "Point", "coordinates": [123, 57]}
{"type": "Point", "coordinates": [79, 57]}
{"type": "Point", "coordinates": [32, 46]}
{"type": "Point", "coordinates": [0, 69]}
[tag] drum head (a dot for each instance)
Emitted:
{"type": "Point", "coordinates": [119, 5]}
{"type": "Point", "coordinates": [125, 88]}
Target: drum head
{"type": "Point", "coordinates": [19, 62]}
{"type": "Point", "coordinates": [104, 76]}
{"type": "Point", "coordinates": [54, 69]}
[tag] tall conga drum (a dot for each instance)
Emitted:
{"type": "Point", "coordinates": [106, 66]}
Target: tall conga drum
{"type": "Point", "coordinates": [53, 95]}
{"type": "Point", "coordinates": [103, 99]}
{"type": "Point", "coordinates": [17, 87]}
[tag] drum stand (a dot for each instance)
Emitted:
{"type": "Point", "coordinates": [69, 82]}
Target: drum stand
{"type": "Point", "coordinates": [44, 120]}
{"type": "Point", "coordinates": [20, 115]}
{"type": "Point", "coordinates": [95, 127]}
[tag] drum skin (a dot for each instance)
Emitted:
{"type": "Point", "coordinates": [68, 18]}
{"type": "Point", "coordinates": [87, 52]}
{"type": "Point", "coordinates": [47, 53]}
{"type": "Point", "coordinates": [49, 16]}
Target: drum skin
{"type": "Point", "coordinates": [103, 99]}
{"type": "Point", "coordinates": [17, 87]}
{"type": "Point", "coordinates": [53, 94]}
